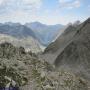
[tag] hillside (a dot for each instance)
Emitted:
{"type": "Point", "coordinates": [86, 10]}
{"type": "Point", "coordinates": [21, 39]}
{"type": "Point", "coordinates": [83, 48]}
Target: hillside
{"type": "Point", "coordinates": [54, 49]}
{"type": "Point", "coordinates": [26, 71]}
{"type": "Point", "coordinates": [19, 35]}
{"type": "Point", "coordinates": [29, 43]}
{"type": "Point", "coordinates": [76, 55]}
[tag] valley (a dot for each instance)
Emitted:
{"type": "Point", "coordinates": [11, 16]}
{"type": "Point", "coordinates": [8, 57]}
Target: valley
{"type": "Point", "coordinates": [63, 65]}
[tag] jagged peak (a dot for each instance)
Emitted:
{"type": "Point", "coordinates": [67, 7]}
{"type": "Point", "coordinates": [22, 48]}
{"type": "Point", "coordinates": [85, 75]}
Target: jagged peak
{"type": "Point", "coordinates": [88, 20]}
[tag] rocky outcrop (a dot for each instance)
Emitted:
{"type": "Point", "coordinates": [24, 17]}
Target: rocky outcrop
{"type": "Point", "coordinates": [26, 71]}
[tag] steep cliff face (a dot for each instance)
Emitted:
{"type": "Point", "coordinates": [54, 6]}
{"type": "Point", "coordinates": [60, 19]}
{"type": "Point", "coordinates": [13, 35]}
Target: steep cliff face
{"type": "Point", "coordinates": [56, 47]}
{"type": "Point", "coordinates": [62, 40]}
{"type": "Point", "coordinates": [76, 55]}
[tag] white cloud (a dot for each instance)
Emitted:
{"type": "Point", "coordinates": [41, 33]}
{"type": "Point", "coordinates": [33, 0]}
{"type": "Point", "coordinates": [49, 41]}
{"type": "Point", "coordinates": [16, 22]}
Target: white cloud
{"type": "Point", "coordinates": [69, 4]}
{"type": "Point", "coordinates": [1, 1]}
{"type": "Point", "coordinates": [7, 6]}
{"type": "Point", "coordinates": [31, 1]}
{"type": "Point", "coordinates": [23, 17]}
{"type": "Point", "coordinates": [63, 1]}
{"type": "Point", "coordinates": [34, 3]}
{"type": "Point", "coordinates": [19, 10]}
{"type": "Point", "coordinates": [29, 10]}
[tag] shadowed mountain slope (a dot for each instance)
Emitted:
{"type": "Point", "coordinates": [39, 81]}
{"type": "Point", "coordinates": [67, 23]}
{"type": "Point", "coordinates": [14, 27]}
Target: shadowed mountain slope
{"type": "Point", "coordinates": [76, 55]}
{"type": "Point", "coordinates": [54, 49]}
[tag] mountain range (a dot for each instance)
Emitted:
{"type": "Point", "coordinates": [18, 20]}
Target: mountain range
{"type": "Point", "coordinates": [34, 37]}
{"type": "Point", "coordinates": [16, 30]}
{"type": "Point", "coordinates": [45, 33]}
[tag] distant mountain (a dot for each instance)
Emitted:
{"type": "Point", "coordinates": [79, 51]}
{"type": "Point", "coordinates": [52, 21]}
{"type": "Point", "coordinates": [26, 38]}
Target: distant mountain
{"type": "Point", "coordinates": [16, 30]}
{"type": "Point", "coordinates": [19, 35]}
{"type": "Point", "coordinates": [45, 33]}
{"type": "Point", "coordinates": [54, 49]}
{"type": "Point", "coordinates": [76, 55]}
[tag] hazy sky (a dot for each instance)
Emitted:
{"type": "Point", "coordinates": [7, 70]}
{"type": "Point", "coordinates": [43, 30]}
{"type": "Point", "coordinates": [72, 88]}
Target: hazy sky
{"type": "Point", "coordinates": [45, 11]}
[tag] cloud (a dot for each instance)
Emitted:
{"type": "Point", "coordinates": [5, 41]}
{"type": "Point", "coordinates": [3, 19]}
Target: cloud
{"type": "Point", "coordinates": [32, 3]}
{"type": "Point", "coordinates": [8, 6]}
{"type": "Point", "coordinates": [33, 10]}
{"type": "Point", "coordinates": [19, 10]}
{"type": "Point", "coordinates": [63, 1]}
{"type": "Point", "coordinates": [69, 4]}
{"type": "Point", "coordinates": [1, 1]}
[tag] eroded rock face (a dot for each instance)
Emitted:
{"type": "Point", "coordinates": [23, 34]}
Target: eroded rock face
{"type": "Point", "coordinates": [76, 55]}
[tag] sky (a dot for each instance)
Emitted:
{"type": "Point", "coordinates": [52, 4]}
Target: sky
{"type": "Point", "coordinates": [45, 11]}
